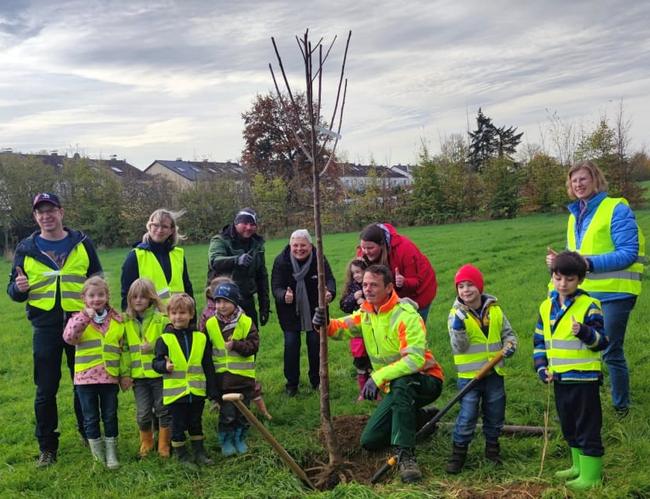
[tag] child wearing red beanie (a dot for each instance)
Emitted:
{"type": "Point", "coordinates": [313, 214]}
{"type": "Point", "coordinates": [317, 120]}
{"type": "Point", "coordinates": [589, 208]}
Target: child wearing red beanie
{"type": "Point", "coordinates": [478, 329]}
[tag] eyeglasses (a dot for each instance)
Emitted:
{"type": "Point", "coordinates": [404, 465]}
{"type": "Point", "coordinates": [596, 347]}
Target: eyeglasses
{"type": "Point", "coordinates": [155, 225]}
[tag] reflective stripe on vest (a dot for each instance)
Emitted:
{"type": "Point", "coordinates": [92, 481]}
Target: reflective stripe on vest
{"type": "Point", "coordinates": [95, 348]}
{"type": "Point", "coordinates": [230, 361]}
{"type": "Point", "coordinates": [564, 351]}
{"type": "Point", "coordinates": [481, 348]}
{"type": "Point", "coordinates": [188, 376]}
{"type": "Point", "coordinates": [597, 240]}
{"type": "Point", "coordinates": [136, 333]}
{"type": "Point", "coordinates": [149, 267]}
{"type": "Point", "coordinates": [43, 281]}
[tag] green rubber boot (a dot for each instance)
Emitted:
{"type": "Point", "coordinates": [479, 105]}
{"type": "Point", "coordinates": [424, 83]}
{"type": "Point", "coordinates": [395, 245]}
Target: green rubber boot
{"type": "Point", "coordinates": [591, 473]}
{"type": "Point", "coordinates": [574, 470]}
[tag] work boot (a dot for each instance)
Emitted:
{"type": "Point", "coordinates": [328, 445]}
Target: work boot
{"type": "Point", "coordinates": [591, 473]}
{"type": "Point", "coordinates": [407, 465]}
{"type": "Point", "coordinates": [227, 443]}
{"type": "Point", "coordinates": [183, 456]}
{"type": "Point", "coordinates": [146, 443]}
{"type": "Point", "coordinates": [200, 456]}
{"type": "Point", "coordinates": [164, 441]}
{"type": "Point", "coordinates": [97, 449]}
{"type": "Point", "coordinates": [493, 452]}
{"type": "Point", "coordinates": [240, 440]}
{"type": "Point", "coordinates": [111, 453]}
{"type": "Point", "coordinates": [46, 458]}
{"type": "Point", "coordinates": [457, 459]}
{"type": "Point", "coordinates": [574, 470]}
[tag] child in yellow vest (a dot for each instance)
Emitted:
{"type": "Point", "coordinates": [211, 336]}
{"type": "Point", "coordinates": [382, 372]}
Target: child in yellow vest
{"type": "Point", "coordinates": [478, 329]}
{"type": "Point", "coordinates": [183, 357]}
{"type": "Point", "coordinates": [235, 342]}
{"type": "Point", "coordinates": [144, 323]}
{"type": "Point", "coordinates": [98, 334]}
{"type": "Point", "coordinates": [568, 336]}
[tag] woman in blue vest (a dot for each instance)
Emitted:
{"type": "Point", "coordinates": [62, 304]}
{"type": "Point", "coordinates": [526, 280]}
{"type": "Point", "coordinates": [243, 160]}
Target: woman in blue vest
{"type": "Point", "coordinates": [158, 258]}
{"type": "Point", "coordinates": [605, 232]}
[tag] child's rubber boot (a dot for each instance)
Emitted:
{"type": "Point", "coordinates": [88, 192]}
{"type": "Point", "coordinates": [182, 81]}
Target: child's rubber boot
{"type": "Point", "coordinates": [591, 474]}
{"type": "Point", "coordinates": [493, 452]}
{"type": "Point", "coordinates": [227, 443]}
{"type": "Point", "coordinates": [457, 459]}
{"type": "Point", "coordinates": [261, 406]}
{"type": "Point", "coordinates": [111, 453]}
{"type": "Point", "coordinates": [146, 443]}
{"type": "Point", "coordinates": [97, 449]}
{"type": "Point", "coordinates": [164, 441]}
{"type": "Point", "coordinates": [574, 470]}
{"type": "Point", "coordinates": [240, 440]}
{"type": "Point", "coordinates": [183, 455]}
{"type": "Point", "coordinates": [200, 456]}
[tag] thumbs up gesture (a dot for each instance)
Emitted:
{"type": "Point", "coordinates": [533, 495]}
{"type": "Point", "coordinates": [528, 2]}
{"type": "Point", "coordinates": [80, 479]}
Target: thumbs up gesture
{"type": "Point", "coordinates": [288, 296]}
{"type": "Point", "coordinates": [169, 365]}
{"type": "Point", "coordinates": [550, 256]}
{"type": "Point", "coordinates": [575, 326]}
{"type": "Point", "coordinates": [22, 283]}
{"type": "Point", "coordinates": [399, 278]}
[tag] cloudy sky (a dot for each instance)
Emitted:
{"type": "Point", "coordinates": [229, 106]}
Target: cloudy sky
{"type": "Point", "coordinates": [163, 79]}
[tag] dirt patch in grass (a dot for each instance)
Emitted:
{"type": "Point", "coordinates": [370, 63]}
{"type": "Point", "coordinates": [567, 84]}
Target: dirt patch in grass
{"type": "Point", "coordinates": [523, 490]}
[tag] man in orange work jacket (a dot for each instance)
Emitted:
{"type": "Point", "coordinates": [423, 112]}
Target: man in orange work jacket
{"type": "Point", "coordinates": [403, 367]}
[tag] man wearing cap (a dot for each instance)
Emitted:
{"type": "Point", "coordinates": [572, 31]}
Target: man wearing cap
{"type": "Point", "coordinates": [238, 252]}
{"type": "Point", "coordinates": [48, 272]}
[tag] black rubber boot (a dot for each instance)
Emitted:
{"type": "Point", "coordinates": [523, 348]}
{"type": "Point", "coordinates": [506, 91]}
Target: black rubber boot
{"type": "Point", "coordinates": [183, 456]}
{"type": "Point", "coordinates": [407, 465]}
{"type": "Point", "coordinates": [493, 452]}
{"type": "Point", "coordinates": [200, 457]}
{"type": "Point", "coordinates": [457, 459]}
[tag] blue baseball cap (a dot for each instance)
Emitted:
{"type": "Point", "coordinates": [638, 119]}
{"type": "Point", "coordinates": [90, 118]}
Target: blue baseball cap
{"type": "Point", "coordinates": [46, 197]}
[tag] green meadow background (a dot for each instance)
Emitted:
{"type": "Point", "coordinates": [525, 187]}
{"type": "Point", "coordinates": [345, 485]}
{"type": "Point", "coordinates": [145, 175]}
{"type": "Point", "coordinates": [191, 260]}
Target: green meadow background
{"type": "Point", "coordinates": [511, 255]}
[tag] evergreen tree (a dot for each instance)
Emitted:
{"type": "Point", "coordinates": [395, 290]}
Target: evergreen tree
{"type": "Point", "coordinates": [488, 141]}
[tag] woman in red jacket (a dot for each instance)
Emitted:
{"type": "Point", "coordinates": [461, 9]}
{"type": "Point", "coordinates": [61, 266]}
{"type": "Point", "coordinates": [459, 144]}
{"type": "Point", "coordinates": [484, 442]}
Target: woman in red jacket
{"type": "Point", "coordinates": [414, 276]}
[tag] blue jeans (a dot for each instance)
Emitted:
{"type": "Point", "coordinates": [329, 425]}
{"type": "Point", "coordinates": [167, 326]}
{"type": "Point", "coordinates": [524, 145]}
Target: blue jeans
{"type": "Point", "coordinates": [616, 314]}
{"type": "Point", "coordinates": [292, 357]}
{"type": "Point", "coordinates": [48, 347]}
{"type": "Point", "coordinates": [99, 400]}
{"type": "Point", "coordinates": [424, 312]}
{"type": "Point", "coordinates": [490, 396]}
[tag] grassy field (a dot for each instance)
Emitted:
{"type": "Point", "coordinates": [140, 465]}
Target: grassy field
{"type": "Point", "coordinates": [511, 255]}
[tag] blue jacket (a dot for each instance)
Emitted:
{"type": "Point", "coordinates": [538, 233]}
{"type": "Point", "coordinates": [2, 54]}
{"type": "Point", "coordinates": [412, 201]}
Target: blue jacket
{"type": "Point", "coordinates": [625, 236]}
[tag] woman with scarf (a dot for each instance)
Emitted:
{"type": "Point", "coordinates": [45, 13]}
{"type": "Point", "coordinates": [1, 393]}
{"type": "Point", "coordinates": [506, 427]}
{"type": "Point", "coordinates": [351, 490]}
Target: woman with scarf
{"type": "Point", "coordinates": [294, 281]}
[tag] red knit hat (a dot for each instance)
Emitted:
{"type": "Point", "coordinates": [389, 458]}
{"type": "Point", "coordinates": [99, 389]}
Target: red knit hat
{"type": "Point", "coordinates": [469, 273]}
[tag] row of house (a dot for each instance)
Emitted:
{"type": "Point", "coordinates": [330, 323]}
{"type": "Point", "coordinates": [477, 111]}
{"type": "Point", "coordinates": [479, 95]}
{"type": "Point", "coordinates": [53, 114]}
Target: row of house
{"type": "Point", "coordinates": [185, 173]}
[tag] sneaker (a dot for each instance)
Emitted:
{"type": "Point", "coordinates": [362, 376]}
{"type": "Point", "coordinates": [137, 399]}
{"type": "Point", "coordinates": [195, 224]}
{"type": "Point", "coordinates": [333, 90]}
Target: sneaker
{"type": "Point", "coordinates": [622, 412]}
{"type": "Point", "coordinates": [407, 465]}
{"type": "Point", "coordinates": [46, 458]}
{"type": "Point", "coordinates": [291, 391]}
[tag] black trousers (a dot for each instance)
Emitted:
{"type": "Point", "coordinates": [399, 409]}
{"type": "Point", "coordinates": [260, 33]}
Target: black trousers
{"type": "Point", "coordinates": [247, 304]}
{"type": "Point", "coordinates": [581, 417]}
{"type": "Point", "coordinates": [186, 417]}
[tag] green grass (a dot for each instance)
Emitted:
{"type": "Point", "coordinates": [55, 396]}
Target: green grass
{"type": "Point", "coordinates": [511, 255]}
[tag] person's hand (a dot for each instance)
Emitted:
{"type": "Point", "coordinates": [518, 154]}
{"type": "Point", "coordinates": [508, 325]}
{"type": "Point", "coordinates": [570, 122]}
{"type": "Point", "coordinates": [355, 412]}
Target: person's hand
{"type": "Point", "coordinates": [90, 312]}
{"type": "Point", "coordinates": [230, 344]}
{"type": "Point", "coordinates": [370, 390]}
{"type": "Point", "coordinates": [320, 317]}
{"type": "Point", "coordinates": [244, 260]}
{"type": "Point", "coordinates": [508, 350]}
{"type": "Point", "coordinates": [550, 256]}
{"type": "Point", "coordinates": [545, 375]}
{"type": "Point", "coordinates": [288, 296]}
{"type": "Point", "coordinates": [575, 326]}
{"type": "Point", "coordinates": [214, 406]}
{"type": "Point", "coordinates": [328, 296]}
{"type": "Point", "coordinates": [169, 365]}
{"type": "Point", "coordinates": [264, 315]}
{"type": "Point", "coordinates": [399, 279]}
{"type": "Point", "coordinates": [22, 283]}
{"type": "Point", "coordinates": [126, 382]}
{"type": "Point", "coordinates": [146, 347]}
{"type": "Point", "coordinates": [358, 295]}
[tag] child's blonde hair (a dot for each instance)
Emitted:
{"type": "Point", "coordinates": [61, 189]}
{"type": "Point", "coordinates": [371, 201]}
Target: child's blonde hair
{"type": "Point", "coordinates": [181, 301]}
{"type": "Point", "coordinates": [96, 281]}
{"type": "Point", "coordinates": [158, 216]}
{"type": "Point", "coordinates": [214, 284]}
{"type": "Point", "coordinates": [143, 287]}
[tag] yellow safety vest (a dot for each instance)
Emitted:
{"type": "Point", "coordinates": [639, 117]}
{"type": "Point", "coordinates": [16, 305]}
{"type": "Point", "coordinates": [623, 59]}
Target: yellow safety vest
{"type": "Point", "coordinates": [597, 240]}
{"type": "Point", "coordinates": [96, 348]}
{"type": "Point", "coordinates": [564, 351]}
{"type": "Point", "coordinates": [149, 267]}
{"type": "Point", "coordinates": [188, 376]}
{"type": "Point", "coordinates": [481, 349]}
{"type": "Point", "coordinates": [228, 360]}
{"type": "Point", "coordinates": [70, 278]}
{"type": "Point", "coordinates": [150, 330]}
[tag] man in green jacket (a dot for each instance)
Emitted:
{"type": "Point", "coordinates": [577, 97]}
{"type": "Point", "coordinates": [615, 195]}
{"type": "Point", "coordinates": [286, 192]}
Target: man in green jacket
{"type": "Point", "coordinates": [238, 252]}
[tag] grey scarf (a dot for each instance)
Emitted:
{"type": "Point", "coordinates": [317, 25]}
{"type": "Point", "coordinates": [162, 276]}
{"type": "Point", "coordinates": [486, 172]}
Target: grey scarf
{"type": "Point", "coordinates": [303, 309]}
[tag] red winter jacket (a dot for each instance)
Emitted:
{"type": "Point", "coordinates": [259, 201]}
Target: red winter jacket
{"type": "Point", "coordinates": [419, 277]}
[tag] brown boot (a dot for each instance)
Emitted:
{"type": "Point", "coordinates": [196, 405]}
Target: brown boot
{"type": "Point", "coordinates": [146, 443]}
{"type": "Point", "coordinates": [164, 441]}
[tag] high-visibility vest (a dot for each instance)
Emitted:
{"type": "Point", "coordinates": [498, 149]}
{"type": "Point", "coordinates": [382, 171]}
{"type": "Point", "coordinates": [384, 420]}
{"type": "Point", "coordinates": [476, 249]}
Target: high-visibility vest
{"type": "Point", "coordinates": [187, 376]}
{"type": "Point", "coordinates": [564, 351]}
{"type": "Point", "coordinates": [597, 240]}
{"type": "Point", "coordinates": [70, 278]}
{"type": "Point", "coordinates": [228, 360]}
{"type": "Point", "coordinates": [149, 330]}
{"type": "Point", "coordinates": [149, 267]}
{"type": "Point", "coordinates": [482, 348]}
{"type": "Point", "coordinates": [96, 348]}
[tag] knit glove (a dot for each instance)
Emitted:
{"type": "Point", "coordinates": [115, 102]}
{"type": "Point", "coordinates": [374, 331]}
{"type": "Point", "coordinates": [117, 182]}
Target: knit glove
{"type": "Point", "coordinates": [370, 389]}
{"type": "Point", "coordinates": [244, 260]}
{"type": "Point", "coordinates": [320, 317]}
{"type": "Point", "coordinates": [264, 314]}
{"type": "Point", "coordinates": [543, 375]}
{"type": "Point", "coordinates": [508, 350]}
